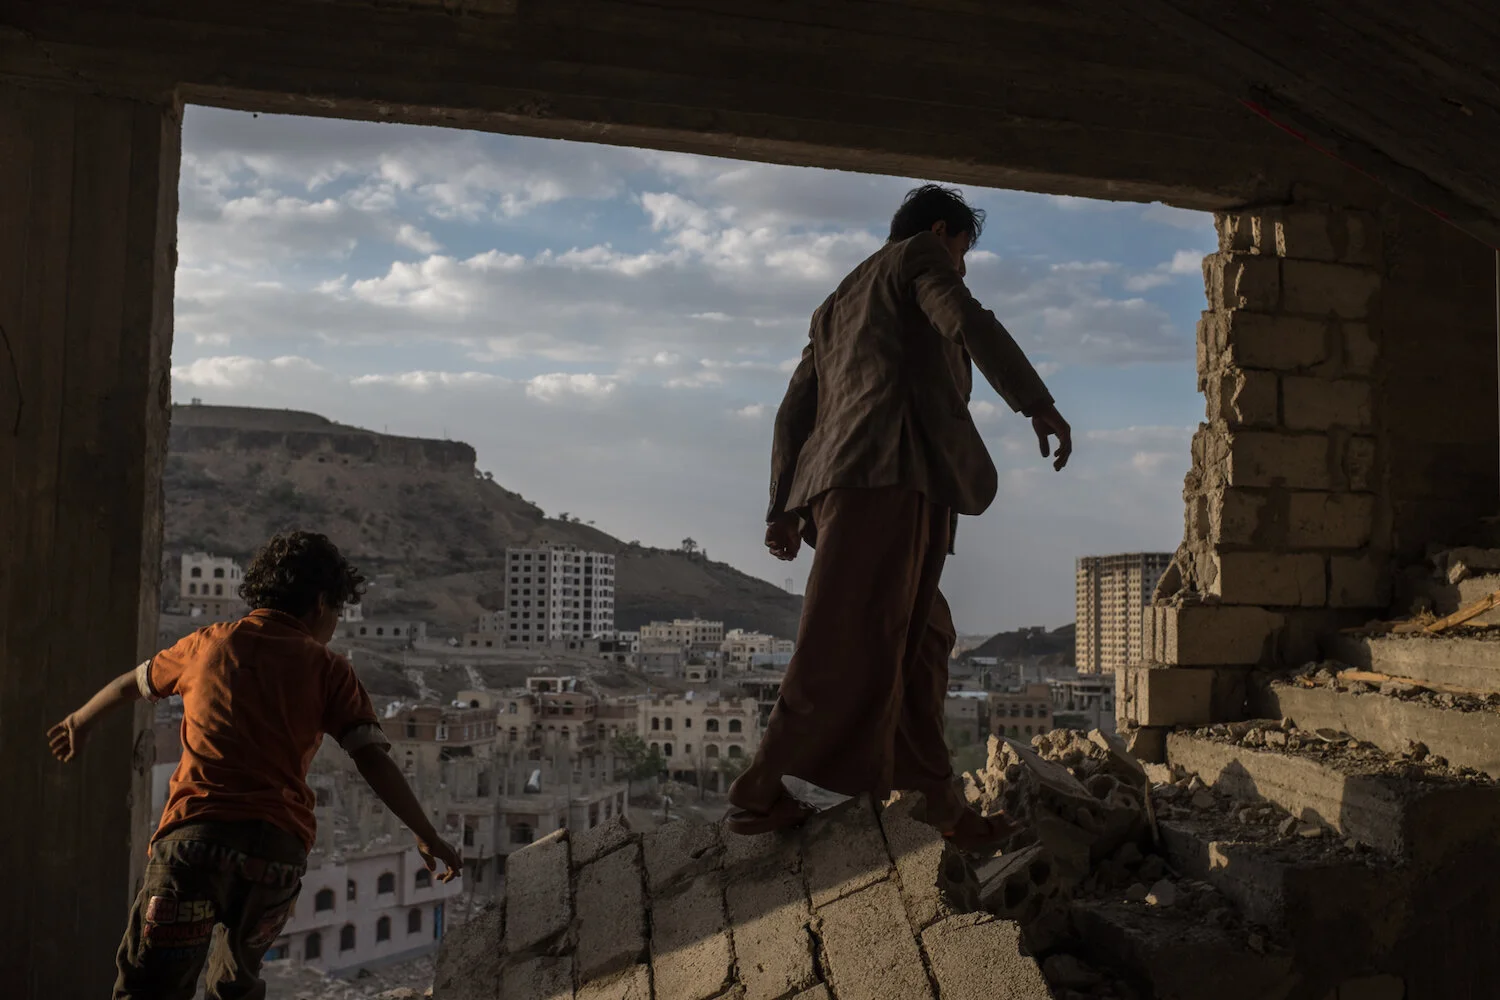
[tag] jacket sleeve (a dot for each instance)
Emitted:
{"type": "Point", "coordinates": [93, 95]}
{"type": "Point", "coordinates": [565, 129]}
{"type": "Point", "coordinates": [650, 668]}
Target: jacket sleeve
{"type": "Point", "coordinates": [957, 315]}
{"type": "Point", "coordinates": [794, 422]}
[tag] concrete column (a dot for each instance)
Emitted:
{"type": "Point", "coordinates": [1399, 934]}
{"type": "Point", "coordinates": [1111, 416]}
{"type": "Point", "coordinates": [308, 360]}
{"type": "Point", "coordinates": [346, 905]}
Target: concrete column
{"type": "Point", "coordinates": [1347, 363]}
{"type": "Point", "coordinates": [88, 204]}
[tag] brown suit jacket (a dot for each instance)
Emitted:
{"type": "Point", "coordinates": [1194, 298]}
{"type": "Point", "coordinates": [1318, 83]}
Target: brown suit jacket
{"type": "Point", "coordinates": [881, 395]}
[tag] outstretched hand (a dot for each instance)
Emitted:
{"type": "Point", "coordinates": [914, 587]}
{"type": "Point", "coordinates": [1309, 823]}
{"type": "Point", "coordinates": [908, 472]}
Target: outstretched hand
{"type": "Point", "coordinates": [1050, 422]}
{"type": "Point", "coordinates": [784, 537]}
{"type": "Point", "coordinates": [66, 739]}
{"type": "Point", "coordinates": [437, 849]}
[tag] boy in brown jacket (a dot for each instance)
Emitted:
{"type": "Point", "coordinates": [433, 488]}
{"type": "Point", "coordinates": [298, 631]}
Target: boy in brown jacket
{"type": "Point", "coordinates": [258, 695]}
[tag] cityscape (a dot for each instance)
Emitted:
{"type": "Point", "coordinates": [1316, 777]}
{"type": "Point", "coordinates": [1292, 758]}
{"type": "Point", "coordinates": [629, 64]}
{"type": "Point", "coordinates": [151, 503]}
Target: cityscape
{"type": "Point", "coordinates": [650, 723]}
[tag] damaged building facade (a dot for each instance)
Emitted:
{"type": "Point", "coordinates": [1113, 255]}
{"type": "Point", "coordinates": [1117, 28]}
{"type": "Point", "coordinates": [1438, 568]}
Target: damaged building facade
{"type": "Point", "coordinates": [1347, 358]}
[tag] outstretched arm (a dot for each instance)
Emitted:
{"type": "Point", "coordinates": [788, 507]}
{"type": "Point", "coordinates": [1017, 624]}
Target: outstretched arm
{"type": "Point", "coordinates": [957, 315]}
{"type": "Point", "coordinates": [387, 781]}
{"type": "Point", "coordinates": [67, 737]}
{"type": "Point", "coordinates": [795, 419]}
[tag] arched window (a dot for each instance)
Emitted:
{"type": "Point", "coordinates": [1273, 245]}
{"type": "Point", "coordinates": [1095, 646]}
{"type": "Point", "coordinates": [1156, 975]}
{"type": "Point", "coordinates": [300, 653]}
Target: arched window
{"type": "Point", "coordinates": [383, 929]}
{"type": "Point", "coordinates": [565, 732]}
{"type": "Point", "coordinates": [735, 751]}
{"type": "Point", "coordinates": [712, 725]}
{"type": "Point", "coordinates": [514, 734]}
{"type": "Point", "coordinates": [313, 948]}
{"type": "Point", "coordinates": [385, 883]}
{"type": "Point", "coordinates": [711, 750]}
{"type": "Point", "coordinates": [414, 921]}
{"type": "Point", "coordinates": [656, 746]}
{"type": "Point", "coordinates": [666, 750]}
{"type": "Point", "coordinates": [350, 891]}
{"type": "Point", "coordinates": [424, 878]}
{"type": "Point", "coordinates": [668, 725]}
{"type": "Point", "coordinates": [218, 590]}
{"type": "Point", "coordinates": [346, 938]}
{"type": "Point", "coordinates": [195, 572]}
{"type": "Point", "coordinates": [1026, 711]}
{"type": "Point", "coordinates": [192, 588]}
{"type": "Point", "coordinates": [735, 726]}
{"type": "Point", "coordinates": [380, 630]}
{"type": "Point", "coordinates": [219, 573]}
{"type": "Point", "coordinates": [323, 900]}
{"type": "Point", "coordinates": [655, 723]}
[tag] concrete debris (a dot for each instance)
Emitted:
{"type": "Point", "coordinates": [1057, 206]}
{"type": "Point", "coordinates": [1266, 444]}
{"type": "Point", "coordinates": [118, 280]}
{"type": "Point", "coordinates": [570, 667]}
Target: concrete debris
{"type": "Point", "coordinates": [1137, 893]}
{"type": "Point", "coordinates": [1163, 893]}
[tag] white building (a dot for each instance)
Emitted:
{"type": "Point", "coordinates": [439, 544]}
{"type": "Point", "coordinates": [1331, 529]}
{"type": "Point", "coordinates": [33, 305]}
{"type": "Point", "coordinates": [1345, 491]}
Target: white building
{"type": "Point", "coordinates": [558, 592]}
{"type": "Point", "coordinates": [210, 586]}
{"type": "Point", "coordinates": [686, 632]}
{"type": "Point", "coordinates": [365, 909]}
{"type": "Point", "coordinates": [741, 648]}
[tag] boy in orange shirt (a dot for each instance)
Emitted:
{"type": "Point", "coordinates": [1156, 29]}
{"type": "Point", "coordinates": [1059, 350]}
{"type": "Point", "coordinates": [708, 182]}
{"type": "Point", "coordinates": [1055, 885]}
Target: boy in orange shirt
{"type": "Point", "coordinates": [258, 695]}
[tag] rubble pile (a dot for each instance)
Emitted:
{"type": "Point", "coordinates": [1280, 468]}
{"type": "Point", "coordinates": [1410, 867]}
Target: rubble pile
{"type": "Point", "coordinates": [401, 981]}
{"type": "Point", "coordinates": [1089, 842]}
{"type": "Point", "coordinates": [1326, 675]}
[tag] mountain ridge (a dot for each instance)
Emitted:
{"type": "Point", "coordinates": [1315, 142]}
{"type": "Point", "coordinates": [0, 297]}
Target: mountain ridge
{"type": "Point", "coordinates": [416, 509]}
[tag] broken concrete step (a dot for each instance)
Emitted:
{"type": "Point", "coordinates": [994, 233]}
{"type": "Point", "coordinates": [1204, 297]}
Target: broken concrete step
{"type": "Point", "coordinates": [1401, 815]}
{"type": "Point", "coordinates": [1444, 598]}
{"type": "Point", "coordinates": [1178, 954]}
{"type": "Point", "coordinates": [1465, 738]}
{"type": "Point", "coordinates": [1460, 661]}
{"type": "Point", "coordinates": [1325, 899]}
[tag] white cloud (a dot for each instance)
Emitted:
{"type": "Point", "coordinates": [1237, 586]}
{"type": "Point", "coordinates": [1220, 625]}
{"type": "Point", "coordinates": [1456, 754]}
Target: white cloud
{"type": "Point", "coordinates": [559, 386]}
{"type": "Point", "coordinates": [752, 412]}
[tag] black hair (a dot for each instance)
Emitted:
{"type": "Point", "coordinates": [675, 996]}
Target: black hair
{"type": "Point", "coordinates": [294, 569]}
{"type": "Point", "coordinates": [932, 203]}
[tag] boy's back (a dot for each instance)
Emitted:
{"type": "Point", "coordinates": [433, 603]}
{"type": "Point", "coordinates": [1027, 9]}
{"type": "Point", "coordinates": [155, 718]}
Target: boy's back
{"type": "Point", "coordinates": [257, 696]}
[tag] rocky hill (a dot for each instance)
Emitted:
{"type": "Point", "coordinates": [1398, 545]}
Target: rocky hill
{"type": "Point", "coordinates": [418, 510]}
{"type": "Point", "coordinates": [1054, 648]}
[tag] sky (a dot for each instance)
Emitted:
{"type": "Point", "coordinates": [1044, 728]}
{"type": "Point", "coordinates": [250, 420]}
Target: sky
{"type": "Point", "coordinates": [612, 329]}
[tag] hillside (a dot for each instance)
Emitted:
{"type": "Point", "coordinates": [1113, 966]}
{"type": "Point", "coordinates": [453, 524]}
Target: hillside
{"type": "Point", "coordinates": [416, 509]}
{"type": "Point", "coordinates": [1054, 648]}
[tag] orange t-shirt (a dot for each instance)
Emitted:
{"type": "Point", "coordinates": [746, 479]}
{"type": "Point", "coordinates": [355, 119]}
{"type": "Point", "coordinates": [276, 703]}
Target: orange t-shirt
{"type": "Point", "coordinates": [257, 696]}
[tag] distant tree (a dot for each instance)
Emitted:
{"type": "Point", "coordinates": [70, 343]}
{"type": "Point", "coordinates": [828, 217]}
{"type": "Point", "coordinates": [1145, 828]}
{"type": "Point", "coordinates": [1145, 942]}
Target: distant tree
{"type": "Point", "coordinates": [638, 762]}
{"type": "Point", "coordinates": [591, 524]}
{"type": "Point", "coordinates": [563, 517]}
{"type": "Point", "coordinates": [689, 546]}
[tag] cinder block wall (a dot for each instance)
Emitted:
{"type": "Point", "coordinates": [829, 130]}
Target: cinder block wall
{"type": "Point", "coordinates": [1348, 362]}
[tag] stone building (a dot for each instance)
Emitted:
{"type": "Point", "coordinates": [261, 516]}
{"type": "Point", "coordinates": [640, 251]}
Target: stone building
{"type": "Point", "coordinates": [1113, 593]}
{"type": "Point", "coordinates": [742, 648]}
{"type": "Point", "coordinates": [694, 732]}
{"type": "Point", "coordinates": [689, 633]}
{"type": "Point", "coordinates": [558, 592]}
{"type": "Point", "coordinates": [1346, 358]}
{"type": "Point", "coordinates": [210, 587]}
{"type": "Point", "coordinates": [1021, 714]}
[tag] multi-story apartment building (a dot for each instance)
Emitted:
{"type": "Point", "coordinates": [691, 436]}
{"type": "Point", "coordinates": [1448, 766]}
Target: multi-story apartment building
{"type": "Point", "coordinates": [1021, 714]}
{"type": "Point", "coordinates": [557, 592]}
{"type": "Point", "coordinates": [742, 648]}
{"type": "Point", "coordinates": [1112, 594]}
{"type": "Point", "coordinates": [210, 586]}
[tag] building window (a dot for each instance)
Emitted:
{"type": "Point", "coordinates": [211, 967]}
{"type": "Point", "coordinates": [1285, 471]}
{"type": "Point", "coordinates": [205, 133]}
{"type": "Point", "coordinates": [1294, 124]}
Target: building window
{"type": "Point", "coordinates": [195, 572]}
{"type": "Point", "coordinates": [521, 834]}
{"type": "Point", "coordinates": [413, 921]}
{"type": "Point", "coordinates": [350, 890]}
{"type": "Point", "coordinates": [385, 883]}
{"type": "Point", "coordinates": [735, 726]}
{"type": "Point", "coordinates": [192, 588]}
{"type": "Point", "coordinates": [383, 929]}
{"type": "Point", "coordinates": [346, 938]}
{"type": "Point", "coordinates": [218, 590]}
{"type": "Point", "coordinates": [711, 750]}
{"type": "Point", "coordinates": [655, 723]}
{"type": "Point", "coordinates": [313, 947]}
{"type": "Point", "coordinates": [667, 750]}
{"type": "Point", "coordinates": [668, 725]}
{"type": "Point", "coordinates": [323, 900]}
{"type": "Point", "coordinates": [424, 878]}
{"type": "Point", "coordinates": [219, 573]}
{"type": "Point", "coordinates": [735, 751]}
{"type": "Point", "coordinates": [380, 630]}
{"type": "Point", "coordinates": [411, 729]}
{"type": "Point", "coordinates": [468, 835]}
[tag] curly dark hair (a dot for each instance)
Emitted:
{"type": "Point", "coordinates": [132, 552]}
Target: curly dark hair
{"type": "Point", "coordinates": [932, 203]}
{"type": "Point", "coordinates": [294, 569]}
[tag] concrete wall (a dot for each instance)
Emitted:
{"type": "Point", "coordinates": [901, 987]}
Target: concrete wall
{"type": "Point", "coordinates": [88, 188]}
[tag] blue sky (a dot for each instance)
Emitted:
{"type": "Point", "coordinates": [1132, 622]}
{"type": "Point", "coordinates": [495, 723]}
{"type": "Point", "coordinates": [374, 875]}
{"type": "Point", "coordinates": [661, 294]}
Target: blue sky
{"type": "Point", "coordinates": [612, 328]}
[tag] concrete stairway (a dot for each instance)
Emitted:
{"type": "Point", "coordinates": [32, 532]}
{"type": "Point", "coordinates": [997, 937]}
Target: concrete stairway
{"type": "Point", "coordinates": [1372, 871]}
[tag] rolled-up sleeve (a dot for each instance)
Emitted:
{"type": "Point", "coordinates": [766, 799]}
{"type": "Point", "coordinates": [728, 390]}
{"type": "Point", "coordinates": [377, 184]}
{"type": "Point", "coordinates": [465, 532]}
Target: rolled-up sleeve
{"type": "Point", "coordinates": [364, 734]}
{"type": "Point", "coordinates": [143, 681]}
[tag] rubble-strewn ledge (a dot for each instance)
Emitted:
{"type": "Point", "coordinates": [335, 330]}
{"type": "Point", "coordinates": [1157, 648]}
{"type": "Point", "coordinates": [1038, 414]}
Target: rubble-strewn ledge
{"type": "Point", "coordinates": [863, 903]}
